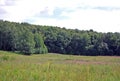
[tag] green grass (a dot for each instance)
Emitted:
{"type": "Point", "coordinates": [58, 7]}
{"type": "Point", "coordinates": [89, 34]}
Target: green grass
{"type": "Point", "coordinates": [57, 67]}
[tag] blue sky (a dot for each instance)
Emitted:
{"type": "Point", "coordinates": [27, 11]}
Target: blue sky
{"type": "Point", "coordinates": [99, 15]}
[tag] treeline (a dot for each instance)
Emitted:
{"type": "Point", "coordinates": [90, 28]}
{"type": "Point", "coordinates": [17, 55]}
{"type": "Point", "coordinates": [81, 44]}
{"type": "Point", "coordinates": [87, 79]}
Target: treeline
{"type": "Point", "coordinates": [28, 39]}
{"type": "Point", "coordinates": [21, 38]}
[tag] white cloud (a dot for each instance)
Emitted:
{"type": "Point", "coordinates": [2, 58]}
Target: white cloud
{"type": "Point", "coordinates": [2, 2]}
{"type": "Point", "coordinates": [102, 21]}
{"type": "Point", "coordinates": [101, 2]}
{"type": "Point", "coordinates": [85, 14]}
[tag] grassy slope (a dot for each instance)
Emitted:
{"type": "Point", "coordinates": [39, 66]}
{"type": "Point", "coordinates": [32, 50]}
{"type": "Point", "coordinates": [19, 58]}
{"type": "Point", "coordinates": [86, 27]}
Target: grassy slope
{"type": "Point", "coordinates": [56, 67]}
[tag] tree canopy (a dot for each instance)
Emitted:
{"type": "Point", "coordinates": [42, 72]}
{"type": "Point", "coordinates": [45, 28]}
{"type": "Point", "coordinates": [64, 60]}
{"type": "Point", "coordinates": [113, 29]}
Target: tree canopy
{"type": "Point", "coordinates": [27, 39]}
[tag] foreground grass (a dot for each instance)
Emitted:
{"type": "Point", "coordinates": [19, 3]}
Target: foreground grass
{"type": "Point", "coordinates": [56, 67]}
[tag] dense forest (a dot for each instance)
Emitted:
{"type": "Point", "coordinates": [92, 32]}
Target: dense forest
{"type": "Point", "coordinates": [36, 39]}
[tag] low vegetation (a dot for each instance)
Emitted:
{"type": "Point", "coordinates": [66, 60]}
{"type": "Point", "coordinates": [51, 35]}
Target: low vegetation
{"type": "Point", "coordinates": [57, 67]}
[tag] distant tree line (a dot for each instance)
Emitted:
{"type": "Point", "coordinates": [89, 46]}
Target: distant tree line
{"type": "Point", "coordinates": [37, 39]}
{"type": "Point", "coordinates": [21, 38]}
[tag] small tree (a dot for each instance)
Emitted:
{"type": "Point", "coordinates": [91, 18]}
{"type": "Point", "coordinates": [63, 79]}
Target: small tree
{"type": "Point", "coordinates": [26, 43]}
{"type": "Point", "coordinates": [39, 44]}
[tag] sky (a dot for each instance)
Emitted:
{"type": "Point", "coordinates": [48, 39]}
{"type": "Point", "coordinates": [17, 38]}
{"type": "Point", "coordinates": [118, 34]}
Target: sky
{"type": "Point", "coordinates": [99, 15]}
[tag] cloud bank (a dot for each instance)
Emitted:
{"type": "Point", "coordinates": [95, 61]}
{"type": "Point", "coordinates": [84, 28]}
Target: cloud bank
{"type": "Point", "coordinates": [99, 15]}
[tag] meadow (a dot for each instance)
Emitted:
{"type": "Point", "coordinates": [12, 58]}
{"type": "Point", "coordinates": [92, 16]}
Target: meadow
{"type": "Point", "coordinates": [58, 67]}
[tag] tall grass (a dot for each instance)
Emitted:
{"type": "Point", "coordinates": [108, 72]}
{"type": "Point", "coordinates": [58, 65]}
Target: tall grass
{"type": "Point", "coordinates": [52, 67]}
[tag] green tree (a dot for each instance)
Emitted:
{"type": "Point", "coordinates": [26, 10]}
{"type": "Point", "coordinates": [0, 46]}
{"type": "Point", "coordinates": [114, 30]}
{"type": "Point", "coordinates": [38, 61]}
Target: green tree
{"type": "Point", "coordinates": [8, 35]}
{"type": "Point", "coordinates": [40, 47]}
{"type": "Point", "coordinates": [25, 38]}
{"type": "Point", "coordinates": [26, 42]}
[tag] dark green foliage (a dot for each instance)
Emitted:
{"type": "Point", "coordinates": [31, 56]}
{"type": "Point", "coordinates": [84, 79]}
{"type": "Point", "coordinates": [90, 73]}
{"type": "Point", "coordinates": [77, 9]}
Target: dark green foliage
{"type": "Point", "coordinates": [7, 36]}
{"type": "Point", "coordinates": [20, 37]}
{"type": "Point", "coordinates": [26, 43]}
{"type": "Point", "coordinates": [37, 39]}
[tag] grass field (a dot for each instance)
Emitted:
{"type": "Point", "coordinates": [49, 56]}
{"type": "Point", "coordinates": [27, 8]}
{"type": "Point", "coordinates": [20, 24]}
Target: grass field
{"type": "Point", "coordinates": [57, 67]}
